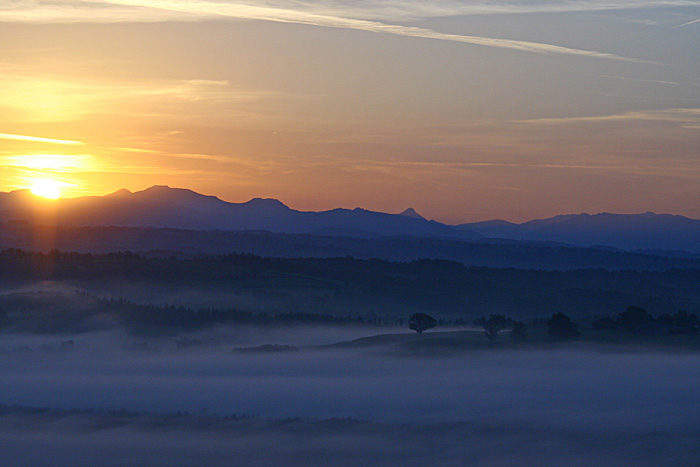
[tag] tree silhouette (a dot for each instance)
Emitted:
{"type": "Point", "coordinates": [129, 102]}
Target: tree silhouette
{"type": "Point", "coordinates": [684, 322]}
{"type": "Point", "coordinates": [494, 325]}
{"type": "Point", "coordinates": [633, 318]}
{"type": "Point", "coordinates": [561, 327]}
{"type": "Point", "coordinates": [420, 322]}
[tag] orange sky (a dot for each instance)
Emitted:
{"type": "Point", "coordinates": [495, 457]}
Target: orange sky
{"type": "Point", "coordinates": [467, 112]}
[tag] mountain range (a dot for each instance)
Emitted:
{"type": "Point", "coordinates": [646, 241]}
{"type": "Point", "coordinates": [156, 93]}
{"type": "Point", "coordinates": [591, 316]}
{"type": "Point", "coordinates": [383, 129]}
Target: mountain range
{"type": "Point", "coordinates": [165, 207]}
{"type": "Point", "coordinates": [177, 208]}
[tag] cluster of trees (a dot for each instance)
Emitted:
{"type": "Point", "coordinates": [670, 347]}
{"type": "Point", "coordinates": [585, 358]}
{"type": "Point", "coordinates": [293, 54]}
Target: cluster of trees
{"type": "Point", "coordinates": [494, 324]}
{"type": "Point", "coordinates": [634, 320]}
{"type": "Point", "coordinates": [420, 322]}
{"type": "Point", "coordinates": [559, 326]}
{"type": "Point", "coordinates": [637, 320]}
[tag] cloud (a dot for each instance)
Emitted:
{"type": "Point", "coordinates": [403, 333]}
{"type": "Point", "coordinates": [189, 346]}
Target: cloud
{"type": "Point", "coordinates": [626, 78]}
{"type": "Point", "coordinates": [38, 139]}
{"type": "Point", "coordinates": [37, 98]}
{"type": "Point", "coordinates": [148, 170]}
{"type": "Point", "coordinates": [206, 157]}
{"type": "Point", "coordinates": [684, 116]}
{"type": "Point", "coordinates": [420, 169]}
{"type": "Point", "coordinates": [164, 10]}
{"type": "Point", "coordinates": [51, 162]}
{"type": "Point", "coordinates": [150, 151]}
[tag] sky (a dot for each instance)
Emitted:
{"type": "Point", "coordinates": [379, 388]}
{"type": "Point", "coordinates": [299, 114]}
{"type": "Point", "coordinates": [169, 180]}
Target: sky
{"type": "Point", "coordinates": [464, 110]}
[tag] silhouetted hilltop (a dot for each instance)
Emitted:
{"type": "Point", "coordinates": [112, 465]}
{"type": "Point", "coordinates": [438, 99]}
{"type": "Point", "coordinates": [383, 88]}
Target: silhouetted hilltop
{"type": "Point", "coordinates": [165, 207]}
{"type": "Point", "coordinates": [177, 208]}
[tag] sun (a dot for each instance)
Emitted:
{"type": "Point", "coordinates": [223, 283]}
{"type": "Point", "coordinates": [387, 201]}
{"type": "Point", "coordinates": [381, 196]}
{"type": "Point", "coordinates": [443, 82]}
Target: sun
{"type": "Point", "coordinates": [47, 188]}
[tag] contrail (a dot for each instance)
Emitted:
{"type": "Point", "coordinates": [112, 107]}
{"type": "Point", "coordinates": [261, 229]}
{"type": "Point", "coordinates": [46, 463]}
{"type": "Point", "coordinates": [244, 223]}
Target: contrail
{"type": "Point", "coordinates": [204, 8]}
{"type": "Point", "coordinates": [183, 10]}
{"type": "Point", "coordinates": [686, 24]}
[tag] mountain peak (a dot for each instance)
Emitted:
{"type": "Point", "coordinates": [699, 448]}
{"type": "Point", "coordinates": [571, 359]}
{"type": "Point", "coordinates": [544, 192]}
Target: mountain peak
{"type": "Point", "coordinates": [174, 194]}
{"type": "Point", "coordinates": [410, 212]}
{"type": "Point", "coordinates": [266, 202]}
{"type": "Point", "coordinates": [22, 192]}
{"type": "Point", "coordinates": [163, 189]}
{"type": "Point", "coordinates": [120, 193]}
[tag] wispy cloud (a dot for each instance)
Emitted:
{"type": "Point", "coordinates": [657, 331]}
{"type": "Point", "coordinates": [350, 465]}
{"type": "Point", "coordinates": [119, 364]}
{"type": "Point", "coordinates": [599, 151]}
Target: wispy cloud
{"type": "Point", "coordinates": [38, 139]}
{"type": "Point", "coordinates": [206, 157]}
{"type": "Point", "coordinates": [163, 10]}
{"type": "Point", "coordinates": [154, 170]}
{"type": "Point", "coordinates": [51, 162]}
{"type": "Point", "coordinates": [626, 78]}
{"type": "Point", "coordinates": [31, 98]}
{"type": "Point", "coordinates": [386, 10]}
{"type": "Point", "coordinates": [688, 116]}
{"type": "Point", "coordinates": [149, 151]}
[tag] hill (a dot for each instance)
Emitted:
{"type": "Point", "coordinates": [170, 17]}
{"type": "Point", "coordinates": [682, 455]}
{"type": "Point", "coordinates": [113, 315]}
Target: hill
{"type": "Point", "coordinates": [162, 242]}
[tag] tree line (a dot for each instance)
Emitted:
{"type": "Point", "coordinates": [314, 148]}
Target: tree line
{"type": "Point", "coordinates": [634, 320]}
{"type": "Point", "coordinates": [44, 312]}
{"type": "Point", "coordinates": [448, 289]}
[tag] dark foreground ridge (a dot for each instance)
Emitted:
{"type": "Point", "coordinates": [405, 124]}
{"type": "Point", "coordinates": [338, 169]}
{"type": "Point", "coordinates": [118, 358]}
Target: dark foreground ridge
{"type": "Point", "coordinates": [165, 243]}
{"type": "Point", "coordinates": [342, 290]}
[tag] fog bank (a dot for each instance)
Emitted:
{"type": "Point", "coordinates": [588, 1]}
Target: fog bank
{"type": "Point", "coordinates": [494, 407]}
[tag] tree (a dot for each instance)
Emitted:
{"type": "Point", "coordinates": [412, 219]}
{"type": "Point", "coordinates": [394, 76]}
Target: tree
{"type": "Point", "coordinates": [634, 318]}
{"type": "Point", "coordinates": [561, 327]}
{"type": "Point", "coordinates": [494, 325]}
{"type": "Point", "coordinates": [420, 322]}
{"type": "Point", "coordinates": [682, 322]}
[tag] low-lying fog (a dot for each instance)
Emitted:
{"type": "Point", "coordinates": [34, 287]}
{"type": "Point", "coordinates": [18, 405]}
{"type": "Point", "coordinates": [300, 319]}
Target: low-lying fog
{"type": "Point", "coordinates": [497, 407]}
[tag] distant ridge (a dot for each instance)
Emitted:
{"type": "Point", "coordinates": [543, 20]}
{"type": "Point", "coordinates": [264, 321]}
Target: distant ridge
{"type": "Point", "coordinates": [161, 206]}
{"type": "Point", "coordinates": [165, 207]}
{"type": "Point", "coordinates": [646, 231]}
{"type": "Point", "coordinates": [165, 243]}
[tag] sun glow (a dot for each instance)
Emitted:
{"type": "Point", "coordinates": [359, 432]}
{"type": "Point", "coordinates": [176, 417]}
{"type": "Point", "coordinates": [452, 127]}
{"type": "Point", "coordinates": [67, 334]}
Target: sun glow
{"type": "Point", "coordinates": [47, 188]}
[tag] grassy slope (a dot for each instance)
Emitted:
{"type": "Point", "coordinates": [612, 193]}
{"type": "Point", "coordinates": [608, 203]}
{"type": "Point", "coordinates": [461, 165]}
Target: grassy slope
{"type": "Point", "coordinates": [435, 343]}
